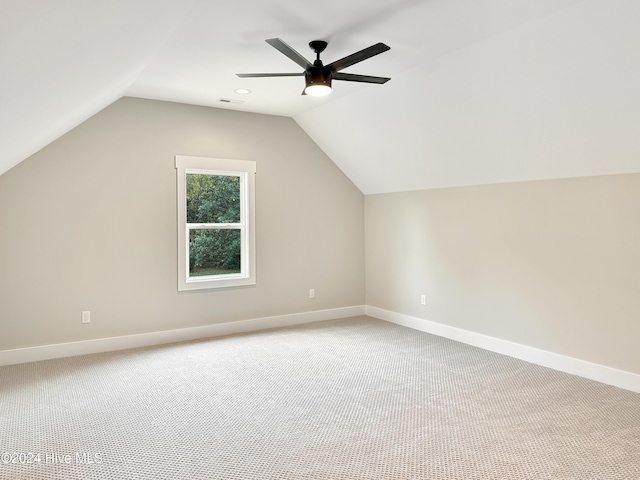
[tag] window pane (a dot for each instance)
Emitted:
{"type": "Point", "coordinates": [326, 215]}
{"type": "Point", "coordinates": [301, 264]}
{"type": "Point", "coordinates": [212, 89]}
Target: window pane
{"type": "Point", "coordinates": [213, 198]}
{"type": "Point", "coordinates": [214, 252]}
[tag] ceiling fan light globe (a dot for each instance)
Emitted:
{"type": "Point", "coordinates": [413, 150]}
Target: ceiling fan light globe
{"type": "Point", "coordinates": [317, 90]}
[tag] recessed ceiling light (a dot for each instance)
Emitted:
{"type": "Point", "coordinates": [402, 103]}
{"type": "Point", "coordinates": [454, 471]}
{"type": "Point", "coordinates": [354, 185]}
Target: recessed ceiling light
{"type": "Point", "coordinates": [242, 91]}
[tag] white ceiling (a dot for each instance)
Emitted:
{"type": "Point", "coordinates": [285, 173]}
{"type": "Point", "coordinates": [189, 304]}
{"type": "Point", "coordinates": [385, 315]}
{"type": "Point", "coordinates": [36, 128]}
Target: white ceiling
{"type": "Point", "coordinates": [482, 91]}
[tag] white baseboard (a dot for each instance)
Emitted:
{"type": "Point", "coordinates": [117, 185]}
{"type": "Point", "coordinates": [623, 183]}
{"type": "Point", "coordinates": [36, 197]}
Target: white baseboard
{"type": "Point", "coordinates": [592, 371]}
{"type": "Point", "coordinates": [47, 352]}
{"type": "Point", "coordinates": [600, 373]}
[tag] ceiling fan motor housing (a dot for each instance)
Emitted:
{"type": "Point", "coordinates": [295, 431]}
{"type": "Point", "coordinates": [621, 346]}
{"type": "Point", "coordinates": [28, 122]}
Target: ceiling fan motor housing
{"type": "Point", "coordinates": [318, 75]}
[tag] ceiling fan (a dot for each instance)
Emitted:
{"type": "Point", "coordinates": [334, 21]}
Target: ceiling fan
{"type": "Point", "coordinates": [318, 76]}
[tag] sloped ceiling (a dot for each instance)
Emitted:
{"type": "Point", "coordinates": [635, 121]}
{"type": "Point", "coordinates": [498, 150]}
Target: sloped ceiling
{"type": "Point", "coordinates": [62, 61]}
{"type": "Point", "coordinates": [482, 91]}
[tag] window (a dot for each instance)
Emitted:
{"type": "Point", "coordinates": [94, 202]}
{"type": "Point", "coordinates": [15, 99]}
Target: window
{"type": "Point", "coordinates": [216, 234]}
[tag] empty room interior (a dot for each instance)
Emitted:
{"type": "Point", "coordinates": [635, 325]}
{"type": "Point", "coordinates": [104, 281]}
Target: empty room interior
{"type": "Point", "coordinates": [432, 271]}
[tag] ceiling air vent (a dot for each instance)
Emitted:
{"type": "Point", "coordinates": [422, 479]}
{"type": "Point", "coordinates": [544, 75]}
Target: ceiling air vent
{"type": "Point", "coordinates": [228, 100]}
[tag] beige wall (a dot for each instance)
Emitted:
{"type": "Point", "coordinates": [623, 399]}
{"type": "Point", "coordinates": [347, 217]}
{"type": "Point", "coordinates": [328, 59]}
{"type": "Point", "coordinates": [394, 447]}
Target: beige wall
{"type": "Point", "coordinates": [552, 264]}
{"type": "Point", "coordinates": [89, 223]}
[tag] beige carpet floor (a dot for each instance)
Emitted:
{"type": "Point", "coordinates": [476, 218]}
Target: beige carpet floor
{"type": "Point", "coordinates": [350, 399]}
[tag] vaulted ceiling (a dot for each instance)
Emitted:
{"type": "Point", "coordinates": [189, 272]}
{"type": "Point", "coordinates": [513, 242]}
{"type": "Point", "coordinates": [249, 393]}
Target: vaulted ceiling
{"type": "Point", "coordinates": [482, 91]}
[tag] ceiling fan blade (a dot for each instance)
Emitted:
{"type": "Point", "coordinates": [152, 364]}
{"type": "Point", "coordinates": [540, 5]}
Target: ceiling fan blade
{"type": "Point", "coordinates": [358, 56]}
{"type": "Point", "coordinates": [257, 75]}
{"type": "Point", "coordinates": [289, 52]}
{"type": "Point", "coordinates": [350, 77]}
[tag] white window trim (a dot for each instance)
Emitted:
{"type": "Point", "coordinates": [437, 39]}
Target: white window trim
{"type": "Point", "coordinates": [217, 166]}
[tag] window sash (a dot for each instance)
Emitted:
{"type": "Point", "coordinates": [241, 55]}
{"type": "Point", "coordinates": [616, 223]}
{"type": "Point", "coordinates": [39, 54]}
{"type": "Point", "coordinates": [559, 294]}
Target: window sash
{"type": "Point", "coordinates": [212, 226]}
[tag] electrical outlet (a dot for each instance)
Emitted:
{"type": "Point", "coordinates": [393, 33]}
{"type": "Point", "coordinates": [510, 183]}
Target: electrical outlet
{"type": "Point", "coordinates": [423, 299]}
{"type": "Point", "coordinates": [312, 293]}
{"type": "Point", "coordinates": [86, 316]}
